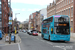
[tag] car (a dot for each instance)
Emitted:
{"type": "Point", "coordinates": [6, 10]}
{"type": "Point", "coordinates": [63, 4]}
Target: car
{"type": "Point", "coordinates": [17, 32]}
{"type": "Point", "coordinates": [29, 32]}
{"type": "Point", "coordinates": [1, 35]}
{"type": "Point", "coordinates": [24, 31]}
{"type": "Point", "coordinates": [35, 33]}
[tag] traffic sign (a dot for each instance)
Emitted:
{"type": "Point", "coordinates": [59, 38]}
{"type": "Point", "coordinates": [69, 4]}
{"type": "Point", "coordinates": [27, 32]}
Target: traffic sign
{"type": "Point", "coordinates": [10, 23]}
{"type": "Point", "coordinates": [10, 18]}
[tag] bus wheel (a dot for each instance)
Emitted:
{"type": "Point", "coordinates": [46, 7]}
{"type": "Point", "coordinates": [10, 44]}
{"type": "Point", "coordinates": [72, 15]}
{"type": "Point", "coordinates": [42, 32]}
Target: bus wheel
{"type": "Point", "coordinates": [49, 38]}
{"type": "Point", "coordinates": [43, 36]}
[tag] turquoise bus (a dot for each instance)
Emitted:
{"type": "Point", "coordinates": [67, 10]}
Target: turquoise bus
{"type": "Point", "coordinates": [56, 28]}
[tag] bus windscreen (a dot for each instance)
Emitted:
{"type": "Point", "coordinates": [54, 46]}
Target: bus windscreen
{"type": "Point", "coordinates": [61, 25]}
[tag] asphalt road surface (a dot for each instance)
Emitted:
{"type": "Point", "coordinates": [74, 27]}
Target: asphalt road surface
{"type": "Point", "coordinates": [9, 47]}
{"type": "Point", "coordinates": [30, 42]}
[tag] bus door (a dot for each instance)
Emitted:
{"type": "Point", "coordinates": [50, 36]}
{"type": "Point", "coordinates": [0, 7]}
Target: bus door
{"type": "Point", "coordinates": [51, 31]}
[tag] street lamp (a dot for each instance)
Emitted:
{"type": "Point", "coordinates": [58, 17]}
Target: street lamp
{"type": "Point", "coordinates": [16, 14]}
{"type": "Point", "coordinates": [16, 22]}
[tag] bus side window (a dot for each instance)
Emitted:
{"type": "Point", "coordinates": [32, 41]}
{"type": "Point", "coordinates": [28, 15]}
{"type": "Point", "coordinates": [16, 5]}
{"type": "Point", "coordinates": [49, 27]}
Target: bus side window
{"type": "Point", "coordinates": [44, 31]}
{"type": "Point", "coordinates": [51, 19]}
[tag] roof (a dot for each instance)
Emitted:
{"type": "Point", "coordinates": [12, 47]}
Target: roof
{"type": "Point", "coordinates": [56, 15]}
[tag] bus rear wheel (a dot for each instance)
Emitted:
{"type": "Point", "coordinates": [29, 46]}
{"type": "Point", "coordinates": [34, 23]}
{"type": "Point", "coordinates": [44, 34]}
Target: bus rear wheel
{"type": "Point", "coordinates": [42, 36]}
{"type": "Point", "coordinates": [49, 38]}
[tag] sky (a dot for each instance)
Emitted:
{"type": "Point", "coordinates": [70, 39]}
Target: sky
{"type": "Point", "coordinates": [27, 7]}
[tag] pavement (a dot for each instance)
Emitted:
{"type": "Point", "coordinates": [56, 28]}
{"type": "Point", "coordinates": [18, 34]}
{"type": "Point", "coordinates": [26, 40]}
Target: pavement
{"type": "Point", "coordinates": [30, 42]}
{"type": "Point", "coordinates": [13, 46]}
{"type": "Point", "coordinates": [72, 35]}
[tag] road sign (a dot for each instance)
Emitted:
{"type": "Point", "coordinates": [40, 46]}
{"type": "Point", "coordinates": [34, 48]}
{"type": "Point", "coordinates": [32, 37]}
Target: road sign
{"type": "Point", "coordinates": [10, 23]}
{"type": "Point", "coordinates": [10, 18]}
{"type": "Point", "coordinates": [7, 38]}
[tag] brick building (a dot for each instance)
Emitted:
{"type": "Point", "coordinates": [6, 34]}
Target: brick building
{"type": "Point", "coordinates": [32, 22]}
{"type": "Point", "coordinates": [35, 19]}
{"type": "Point", "coordinates": [4, 15]}
{"type": "Point", "coordinates": [63, 7]}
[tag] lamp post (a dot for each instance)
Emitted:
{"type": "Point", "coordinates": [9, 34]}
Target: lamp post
{"type": "Point", "coordinates": [10, 24]}
{"type": "Point", "coordinates": [16, 14]}
{"type": "Point", "coordinates": [16, 22]}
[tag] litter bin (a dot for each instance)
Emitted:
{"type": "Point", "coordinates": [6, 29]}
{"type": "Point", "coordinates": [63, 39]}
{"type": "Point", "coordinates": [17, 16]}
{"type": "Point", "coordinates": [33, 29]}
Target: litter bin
{"type": "Point", "coordinates": [13, 38]}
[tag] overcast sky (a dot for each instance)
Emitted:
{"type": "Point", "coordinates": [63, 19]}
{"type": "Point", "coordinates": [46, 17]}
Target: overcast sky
{"type": "Point", "coordinates": [27, 7]}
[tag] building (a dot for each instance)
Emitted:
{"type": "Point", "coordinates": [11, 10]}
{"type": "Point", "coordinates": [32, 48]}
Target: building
{"type": "Point", "coordinates": [63, 7]}
{"type": "Point", "coordinates": [35, 19]}
{"type": "Point", "coordinates": [4, 15]}
{"type": "Point", "coordinates": [43, 15]}
{"type": "Point", "coordinates": [32, 24]}
{"type": "Point", "coordinates": [25, 25]}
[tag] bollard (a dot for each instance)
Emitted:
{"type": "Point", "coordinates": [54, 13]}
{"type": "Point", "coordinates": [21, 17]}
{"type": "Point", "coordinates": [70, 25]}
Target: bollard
{"type": "Point", "coordinates": [9, 40]}
{"type": "Point", "coordinates": [14, 39]}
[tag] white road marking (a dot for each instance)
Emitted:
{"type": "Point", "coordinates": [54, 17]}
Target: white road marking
{"type": "Point", "coordinates": [19, 46]}
{"type": "Point", "coordinates": [62, 47]}
{"type": "Point", "coordinates": [20, 39]}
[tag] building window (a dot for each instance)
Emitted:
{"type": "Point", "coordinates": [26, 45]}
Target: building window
{"type": "Point", "coordinates": [5, 7]}
{"type": "Point", "coordinates": [64, 12]}
{"type": "Point", "coordinates": [0, 15]}
{"type": "Point", "coordinates": [0, 2]}
{"type": "Point", "coordinates": [72, 12]}
{"type": "Point", "coordinates": [69, 12]}
{"type": "Point", "coordinates": [67, 1]}
{"type": "Point", "coordinates": [72, 0]}
{"type": "Point", "coordinates": [0, 9]}
{"type": "Point", "coordinates": [0, 6]}
{"type": "Point", "coordinates": [0, 12]}
{"type": "Point", "coordinates": [5, 15]}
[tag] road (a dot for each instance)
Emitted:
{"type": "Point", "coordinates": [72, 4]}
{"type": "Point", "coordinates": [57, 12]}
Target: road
{"type": "Point", "coordinates": [30, 42]}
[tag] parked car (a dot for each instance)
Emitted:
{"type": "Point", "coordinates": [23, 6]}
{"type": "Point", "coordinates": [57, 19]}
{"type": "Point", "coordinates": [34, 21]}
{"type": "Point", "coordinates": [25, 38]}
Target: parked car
{"type": "Point", "coordinates": [24, 31]}
{"type": "Point", "coordinates": [35, 33]}
{"type": "Point", "coordinates": [1, 35]}
{"type": "Point", "coordinates": [17, 31]}
{"type": "Point", "coordinates": [29, 32]}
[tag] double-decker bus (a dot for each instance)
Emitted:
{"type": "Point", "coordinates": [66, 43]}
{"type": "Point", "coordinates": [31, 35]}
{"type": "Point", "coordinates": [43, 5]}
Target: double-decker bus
{"type": "Point", "coordinates": [56, 28]}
